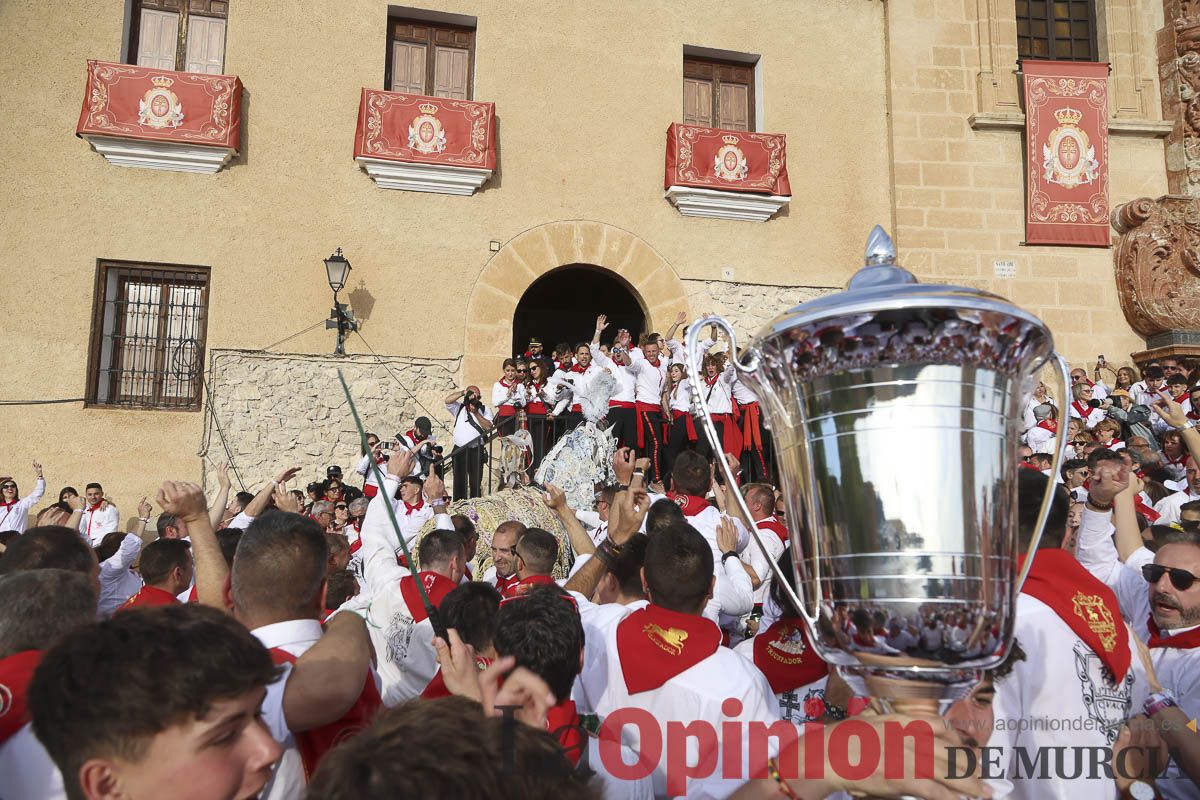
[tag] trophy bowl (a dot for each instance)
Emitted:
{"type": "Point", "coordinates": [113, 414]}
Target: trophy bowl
{"type": "Point", "coordinates": [894, 408]}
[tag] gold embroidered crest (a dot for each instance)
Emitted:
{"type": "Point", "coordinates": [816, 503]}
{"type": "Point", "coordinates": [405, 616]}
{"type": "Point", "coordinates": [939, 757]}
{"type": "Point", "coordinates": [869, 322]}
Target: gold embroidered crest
{"type": "Point", "coordinates": [1091, 609]}
{"type": "Point", "coordinates": [788, 647]}
{"type": "Point", "coordinates": [669, 639]}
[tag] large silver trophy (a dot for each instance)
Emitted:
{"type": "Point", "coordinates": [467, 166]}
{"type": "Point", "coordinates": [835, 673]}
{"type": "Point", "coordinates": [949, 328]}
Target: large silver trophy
{"type": "Point", "coordinates": [894, 409]}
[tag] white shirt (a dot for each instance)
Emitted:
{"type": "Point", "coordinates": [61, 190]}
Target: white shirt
{"type": "Point", "coordinates": [648, 379]}
{"type": "Point", "coordinates": [464, 432]}
{"type": "Point", "coordinates": [1177, 669]}
{"type": "Point", "coordinates": [1168, 507]}
{"type": "Point", "coordinates": [1060, 695]}
{"type": "Point", "coordinates": [626, 384]}
{"type": "Point", "coordinates": [407, 660]}
{"type": "Point", "coordinates": [510, 395]}
{"type": "Point", "coordinates": [117, 581]}
{"type": "Point", "coordinates": [95, 524]}
{"type": "Point", "coordinates": [296, 637]}
{"type": "Point", "coordinates": [733, 594]}
{"type": "Point", "coordinates": [753, 556]}
{"type": "Point", "coordinates": [681, 396]}
{"type": "Point", "coordinates": [1039, 439]}
{"type": "Point", "coordinates": [15, 517]}
{"type": "Point", "coordinates": [696, 694]}
{"type": "Point", "coordinates": [26, 770]}
{"type": "Point", "coordinates": [364, 469]}
{"type": "Point", "coordinates": [1093, 418]}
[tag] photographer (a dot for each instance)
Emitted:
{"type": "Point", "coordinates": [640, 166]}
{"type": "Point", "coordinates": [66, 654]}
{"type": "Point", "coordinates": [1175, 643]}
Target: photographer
{"type": "Point", "coordinates": [419, 439]}
{"type": "Point", "coordinates": [472, 421]}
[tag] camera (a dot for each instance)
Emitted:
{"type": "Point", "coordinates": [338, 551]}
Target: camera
{"type": "Point", "coordinates": [387, 445]}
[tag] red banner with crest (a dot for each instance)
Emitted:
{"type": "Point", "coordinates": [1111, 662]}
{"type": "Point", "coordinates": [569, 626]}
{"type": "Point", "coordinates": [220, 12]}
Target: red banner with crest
{"type": "Point", "coordinates": [429, 130]}
{"type": "Point", "coordinates": [1066, 129]}
{"type": "Point", "coordinates": [126, 101]}
{"type": "Point", "coordinates": [734, 161]}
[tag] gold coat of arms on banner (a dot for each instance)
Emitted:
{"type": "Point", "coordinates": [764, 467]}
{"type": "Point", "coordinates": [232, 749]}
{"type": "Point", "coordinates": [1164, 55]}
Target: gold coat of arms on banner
{"type": "Point", "coordinates": [425, 134]}
{"type": "Point", "coordinates": [729, 164]}
{"type": "Point", "coordinates": [1068, 157]}
{"type": "Point", "coordinates": [159, 107]}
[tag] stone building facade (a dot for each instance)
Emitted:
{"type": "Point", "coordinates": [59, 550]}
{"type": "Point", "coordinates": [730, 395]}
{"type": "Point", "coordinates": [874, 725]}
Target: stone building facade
{"type": "Point", "coordinates": [905, 113]}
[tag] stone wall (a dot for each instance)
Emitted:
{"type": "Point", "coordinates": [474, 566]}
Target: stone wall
{"type": "Point", "coordinates": [277, 409]}
{"type": "Point", "coordinates": [748, 306]}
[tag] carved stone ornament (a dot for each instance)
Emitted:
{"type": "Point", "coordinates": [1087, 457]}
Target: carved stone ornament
{"type": "Point", "coordinates": [1158, 263]}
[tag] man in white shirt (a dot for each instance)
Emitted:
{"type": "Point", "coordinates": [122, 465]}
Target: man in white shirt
{"type": "Point", "coordinates": [14, 509]}
{"type": "Point", "coordinates": [760, 499]}
{"type": "Point", "coordinates": [472, 421]}
{"type": "Point", "coordinates": [503, 572]}
{"type": "Point", "coordinates": [650, 375]}
{"type": "Point", "coordinates": [277, 585]}
{"type": "Point", "coordinates": [99, 515]}
{"type": "Point", "coordinates": [412, 511]}
{"type": "Point", "coordinates": [1168, 507]}
{"type": "Point", "coordinates": [1160, 597]}
{"type": "Point", "coordinates": [41, 606]}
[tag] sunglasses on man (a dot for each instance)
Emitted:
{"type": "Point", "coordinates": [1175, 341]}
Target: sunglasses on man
{"type": "Point", "coordinates": [1181, 579]}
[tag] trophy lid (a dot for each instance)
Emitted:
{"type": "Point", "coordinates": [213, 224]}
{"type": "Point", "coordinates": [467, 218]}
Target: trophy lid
{"type": "Point", "coordinates": [885, 315]}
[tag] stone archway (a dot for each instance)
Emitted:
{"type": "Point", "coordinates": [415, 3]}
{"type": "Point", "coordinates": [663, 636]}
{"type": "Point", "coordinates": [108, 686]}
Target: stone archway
{"type": "Point", "coordinates": [537, 251]}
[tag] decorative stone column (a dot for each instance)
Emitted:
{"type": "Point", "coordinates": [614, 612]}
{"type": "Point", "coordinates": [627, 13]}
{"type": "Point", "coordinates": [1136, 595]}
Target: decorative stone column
{"type": "Point", "coordinates": [1157, 257]}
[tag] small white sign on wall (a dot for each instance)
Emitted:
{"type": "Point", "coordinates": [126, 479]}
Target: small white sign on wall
{"type": "Point", "coordinates": [1005, 269]}
{"type": "Point", "coordinates": [727, 273]}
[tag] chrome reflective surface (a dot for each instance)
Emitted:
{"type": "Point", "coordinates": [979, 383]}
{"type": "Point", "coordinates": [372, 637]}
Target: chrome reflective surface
{"type": "Point", "coordinates": [894, 408]}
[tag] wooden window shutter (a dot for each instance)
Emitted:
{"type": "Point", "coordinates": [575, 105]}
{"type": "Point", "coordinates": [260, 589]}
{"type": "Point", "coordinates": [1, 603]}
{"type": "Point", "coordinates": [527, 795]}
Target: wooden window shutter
{"type": "Point", "coordinates": [408, 67]}
{"type": "Point", "coordinates": [158, 36]}
{"type": "Point", "coordinates": [697, 102]}
{"type": "Point", "coordinates": [451, 72]}
{"type": "Point", "coordinates": [206, 45]}
{"type": "Point", "coordinates": [735, 106]}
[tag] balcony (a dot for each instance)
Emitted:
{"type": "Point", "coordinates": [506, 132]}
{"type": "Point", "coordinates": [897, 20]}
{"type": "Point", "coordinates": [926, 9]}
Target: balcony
{"type": "Point", "coordinates": [724, 174]}
{"type": "Point", "coordinates": [160, 119]}
{"type": "Point", "coordinates": [425, 144]}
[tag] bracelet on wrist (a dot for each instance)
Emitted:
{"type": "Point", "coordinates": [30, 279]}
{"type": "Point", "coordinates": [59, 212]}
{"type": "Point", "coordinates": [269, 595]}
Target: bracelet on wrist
{"type": "Point", "coordinates": [1098, 506]}
{"type": "Point", "coordinates": [1157, 701]}
{"type": "Point", "coordinates": [1191, 423]}
{"type": "Point", "coordinates": [728, 554]}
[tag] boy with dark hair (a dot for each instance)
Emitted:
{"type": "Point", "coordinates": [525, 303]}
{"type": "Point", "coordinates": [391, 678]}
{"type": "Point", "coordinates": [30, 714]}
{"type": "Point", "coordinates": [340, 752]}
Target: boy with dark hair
{"type": "Point", "coordinates": [166, 569]}
{"type": "Point", "coordinates": [471, 610]}
{"type": "Point", "coordinates": [537, 552]}
{"type": "Point", "coordinates": [174, 716]}
{"type": "Point", "coordinates": [51, 547]}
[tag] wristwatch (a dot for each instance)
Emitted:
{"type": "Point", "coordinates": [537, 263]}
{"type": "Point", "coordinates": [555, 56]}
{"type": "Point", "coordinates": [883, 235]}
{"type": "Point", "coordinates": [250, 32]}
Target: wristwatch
{"type": "Point", "coordinates": [1140, 790]}
{"type": "Point", "coordinates": [728, 554]}
{"type": "Point", "coordinates": [1157, 701]}
{"type": "Point", "coordinates": [1191, 423]}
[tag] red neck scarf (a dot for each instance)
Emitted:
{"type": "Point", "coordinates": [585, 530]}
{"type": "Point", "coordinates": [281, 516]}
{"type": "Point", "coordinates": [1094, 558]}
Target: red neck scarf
{"type": "Point", "coordinates": [16, 673]}
{"type": "Point", "coordinates": [785, 656]}
{"type": "Point", "coordinates": [579, 369]}
{"type": "Point", "coordinates": [437, 586]}
{"type": "Point", "coordinates": [654, 362]}
{"type": "Point", "coordinates": [654, 644]}
{"type": "Point", "coordinates": [505, 384]}
{"type": "Point", "coordinates": [409, 509]}
{"type": "Point", "coordinates": [1084, 411]}
{"type": "Point", "coordinates": [10, 503]}
{"type": "Point", "coordinates": [1049, 425]}
{"type": "Point", "coordinates": [775, 526]}
{"type": "Point", "coordinates": [1180, 641]}
{"type": "Point", "coordinates": [526, 585]}
{"type": "Point", "coordinates": [503, 585]}
{"type": "Point", "coordinates": [1087, 606]}
{"type": "Point", "coordinates": [148, 597]}
{"type": "Point", "coordinates": [1193, 414]}
{"type": "Point", "coordinates": [713, 380]}
{"type": "Point", "coordinates": [690, 504]}
{"type": "Point", "coordinates": [563, 723]}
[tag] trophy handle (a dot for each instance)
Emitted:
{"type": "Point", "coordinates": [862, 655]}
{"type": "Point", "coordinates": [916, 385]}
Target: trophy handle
{"type": "Point", "coordinates": [1063, 373]}
{"type": "Point", "coordinates": [692, 340]}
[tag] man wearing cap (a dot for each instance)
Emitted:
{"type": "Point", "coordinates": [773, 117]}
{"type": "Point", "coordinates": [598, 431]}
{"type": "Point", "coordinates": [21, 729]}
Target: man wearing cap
{"type": "Point", "coordinates": [534, 350]}
{"type": "Point", "coordinates": [1041, 436]}
{"type": "Point", "coordinates": [419, 439]}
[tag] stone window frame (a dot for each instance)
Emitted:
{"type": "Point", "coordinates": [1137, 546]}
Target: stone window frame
{"type": "Point", "coordinates": [1134, 104]}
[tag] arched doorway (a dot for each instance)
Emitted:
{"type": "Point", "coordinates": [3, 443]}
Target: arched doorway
{"type": "Point", "coordinates": [562, 305]}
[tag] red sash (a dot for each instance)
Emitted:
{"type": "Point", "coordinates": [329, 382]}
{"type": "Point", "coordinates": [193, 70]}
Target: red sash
{"type": "Point", "coordinates": [148, 597]}
{"type": "Point", "coordinates": [314, 743]}
{"type": "Point", "coordinates": [504, 585]}
{"type": "Point", "coordinates": [506, 411]}
{"type": "Point", "coordinates": [437, 586]}
{"type": "Point", "coordinates": [731, 437]}
{"type": "Point", "coordinates": [1087, 606]}
{"type": "Point", "coordinates": [751, 426]}
{"type": "Point", "coordinates": [527, 585]}
{"type": "Point", "coordinates": [563, 723]}
{"type": "Point", "coordinates": [654, 644]}
{"type": "Point", "coordinates": [16, 673]}
{"type": "Point", "coordinates": [642, 410]}
{"type": "Point", "coordinates": [689, 503]}
{"type": "Point", "coordinates": [1084, 411]}
{"type": "Point", "coordinates": [1180, 641]}
{"type": "Point", "coordinates": [689, 424]}
{"type": "Point", "coordinates": [786, 657]}
{"type": "Point", "coordinates": [775, 526]}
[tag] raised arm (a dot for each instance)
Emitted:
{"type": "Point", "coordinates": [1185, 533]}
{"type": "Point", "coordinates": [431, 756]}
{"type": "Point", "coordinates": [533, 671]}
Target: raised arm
{"type": "Point", "coordinates": [216, 511]}
{"type": "Point", "coordinates": [186, 501]}
{"type": "Point", "coordinates": [455, 396]}
{"type": "Point", "coordinates": [39, 487]}
{"type": "Point", "coordinates": [262, 500]}
{"type": "Point", "coordinates": [556, 500]}
{"type": "Point", "coordinates": [680, 319]}
{"type": "Point", "coordinates": [1173, 414]}
{"type": "Point", "coordinates": [327, 680]}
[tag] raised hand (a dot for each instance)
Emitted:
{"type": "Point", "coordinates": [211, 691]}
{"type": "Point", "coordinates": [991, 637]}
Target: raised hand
{"type": "Point", "coordinates": [601, 323]}
{"type": "Point", "coordinates": [623, 463]}
{"type": "Point", "coordinates": [555, 498]}
{"type": "Point", "coordinates": [727, 537]}
{"type": "Point", "coordinates": [183, 500]}
{"type": "Point", "coordinates": [435, 488]}
{"type": "Point", "coordinates": [223, 481]}
{"type": "Point", "coordinates": [285, 500]}
{"type": "Point", "coordinates": [37, 468]}
{"type": "Point", "coordinates": [1171, 412]}
{"type": "Point", "coordinates": [401, 463]}
{"type": "Point", "coordinates": [144, 508]}
{"type": "Point", "coordinates": [681, 318]}
{"type": "Point", "coordinates": [288, 474]}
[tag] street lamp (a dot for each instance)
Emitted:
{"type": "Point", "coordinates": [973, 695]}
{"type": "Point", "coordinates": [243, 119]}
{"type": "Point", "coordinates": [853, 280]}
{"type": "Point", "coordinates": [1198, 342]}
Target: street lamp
{"type": "Point", "coordinates": [337, 270]}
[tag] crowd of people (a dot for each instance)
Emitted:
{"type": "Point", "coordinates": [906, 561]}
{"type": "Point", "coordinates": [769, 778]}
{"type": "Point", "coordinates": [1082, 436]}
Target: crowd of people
{"type": "Point", "coordinates": [368, 641]}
